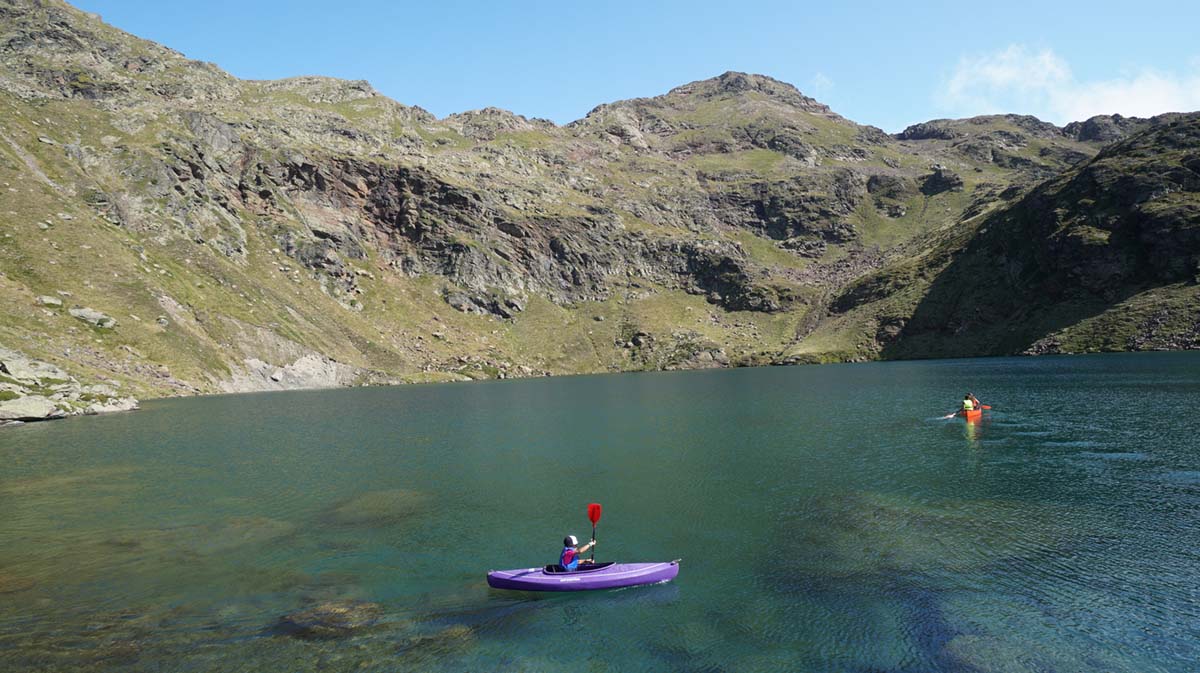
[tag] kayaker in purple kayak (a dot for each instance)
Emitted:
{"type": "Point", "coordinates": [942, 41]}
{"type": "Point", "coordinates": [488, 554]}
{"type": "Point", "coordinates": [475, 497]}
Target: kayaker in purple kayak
{"type": "Point", "coordinates": [571, 553]}
{"type": "Point", "coordinates": [573, 574]}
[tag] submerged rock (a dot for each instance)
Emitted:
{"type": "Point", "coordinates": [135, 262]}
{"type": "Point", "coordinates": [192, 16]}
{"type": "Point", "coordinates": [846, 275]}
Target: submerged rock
{"type": "Point", "coordinates": [377, 507]}
{"type": "Point", "coordinates": [330, 619]}
{"type": "Point", "coordinates": [873, 533]}
{"type": "Point", "coordinates": [1009, 654]}
{"type": "Point", "coordinates": [234, 533]}
{"type": "Point", "coordinates": [11, 584]}
{"type": "Point", "coordinates": [441, 643]}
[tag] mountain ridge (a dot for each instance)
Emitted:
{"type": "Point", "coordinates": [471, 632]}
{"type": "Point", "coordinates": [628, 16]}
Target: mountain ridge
{"type": "Point", "coordinates": [247, 235]}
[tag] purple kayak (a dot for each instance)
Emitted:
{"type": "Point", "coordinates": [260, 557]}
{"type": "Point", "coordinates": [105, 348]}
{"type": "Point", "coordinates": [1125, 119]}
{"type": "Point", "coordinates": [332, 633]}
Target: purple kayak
{"type": "Point", "coordinates": [585, 578]}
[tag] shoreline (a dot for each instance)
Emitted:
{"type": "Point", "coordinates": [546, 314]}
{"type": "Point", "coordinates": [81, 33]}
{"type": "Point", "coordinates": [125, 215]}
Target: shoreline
{"type": "Point", "coordinates": [137, 407]}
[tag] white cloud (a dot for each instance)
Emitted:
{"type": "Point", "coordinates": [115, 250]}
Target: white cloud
{"type": "Point", "coordinates": [820, 84]}
{"type": "Point", "coordinates": [1040, 82]}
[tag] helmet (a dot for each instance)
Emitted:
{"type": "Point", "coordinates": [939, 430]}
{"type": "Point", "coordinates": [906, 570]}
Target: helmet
{"type": "Point", "coordinates": [570, 541]}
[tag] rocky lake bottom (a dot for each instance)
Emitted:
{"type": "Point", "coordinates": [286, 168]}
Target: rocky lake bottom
{"type": "Point", "coordinates": [827, 517]}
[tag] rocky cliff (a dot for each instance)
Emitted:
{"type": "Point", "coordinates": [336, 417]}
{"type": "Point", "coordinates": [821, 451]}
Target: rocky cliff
{"type": "Point", "coordinates": [204, 233]}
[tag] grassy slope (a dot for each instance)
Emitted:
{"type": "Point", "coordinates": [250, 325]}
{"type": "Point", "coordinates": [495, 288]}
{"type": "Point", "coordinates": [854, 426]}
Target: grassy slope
{"type": "Point", "coordinates": [1096, 259]}
{"type": "Point", "coordinates": [234, 309]}
{"type": "Point", "coordinates": [101, 267]}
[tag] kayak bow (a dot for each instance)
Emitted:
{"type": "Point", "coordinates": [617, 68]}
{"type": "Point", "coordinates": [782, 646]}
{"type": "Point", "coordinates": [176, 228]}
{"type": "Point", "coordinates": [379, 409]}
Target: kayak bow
{"type": "Point", "coordinates": [586, 578]}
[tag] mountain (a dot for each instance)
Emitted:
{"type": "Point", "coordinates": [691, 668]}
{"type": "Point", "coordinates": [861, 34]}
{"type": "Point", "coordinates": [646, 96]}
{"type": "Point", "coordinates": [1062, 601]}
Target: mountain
{"type": "Point", "coordinates": [169, 229]}
{"type": "Point", "coordinates": [1105, 256]}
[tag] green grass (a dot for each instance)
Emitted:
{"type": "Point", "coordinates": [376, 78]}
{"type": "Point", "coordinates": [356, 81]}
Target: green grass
{"type": "Point", "coordinates": [563, 175]}
{"type": "Point", "coordinates": [763, 162]}
{"type": "Point", "coordinates": [766, 251]}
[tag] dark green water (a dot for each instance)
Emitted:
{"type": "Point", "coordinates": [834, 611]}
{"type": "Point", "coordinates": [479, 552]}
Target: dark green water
{"type": "Point", "coordinates": [827, 518]}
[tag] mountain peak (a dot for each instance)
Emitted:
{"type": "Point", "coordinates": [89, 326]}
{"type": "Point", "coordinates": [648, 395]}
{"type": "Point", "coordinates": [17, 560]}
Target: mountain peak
{"type": "Point", "coordinates": [741, 83]}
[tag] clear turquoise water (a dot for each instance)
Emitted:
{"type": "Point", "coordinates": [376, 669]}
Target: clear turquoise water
{"type": "Point", "coordinates": [828, 519]}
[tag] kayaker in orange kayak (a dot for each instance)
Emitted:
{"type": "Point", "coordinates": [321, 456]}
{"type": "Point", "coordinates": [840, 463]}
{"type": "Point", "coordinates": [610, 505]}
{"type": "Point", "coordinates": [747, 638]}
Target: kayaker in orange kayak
{"type": "Point", "coordinates": [971, 408]}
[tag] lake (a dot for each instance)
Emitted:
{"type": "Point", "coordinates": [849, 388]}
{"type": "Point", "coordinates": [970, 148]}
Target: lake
{"type": "Point", "coordinates": [827, 517]}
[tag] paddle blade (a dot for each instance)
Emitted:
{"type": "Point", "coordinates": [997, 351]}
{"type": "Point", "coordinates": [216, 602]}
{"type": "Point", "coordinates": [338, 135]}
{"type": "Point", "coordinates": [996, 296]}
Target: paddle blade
{"type": "Point", "coordinates": [594, 512]}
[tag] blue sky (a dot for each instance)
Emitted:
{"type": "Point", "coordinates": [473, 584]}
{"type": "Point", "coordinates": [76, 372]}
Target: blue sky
{"type": "Point", "coordinates": [884, 63]}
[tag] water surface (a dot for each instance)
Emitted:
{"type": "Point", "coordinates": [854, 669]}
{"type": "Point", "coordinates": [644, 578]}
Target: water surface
{"type": "Point", "coordinates": [827, 518]}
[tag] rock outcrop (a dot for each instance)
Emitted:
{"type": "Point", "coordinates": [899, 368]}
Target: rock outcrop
{"type": "Point", "coordinates": [206, 233]}
{"type": "Point", "coordinates": [93, 317]}
{"type": "Point", "coordinates": [309, 371]}
{"type": "Point", "coordinates": [1122, 229]}
{"type": "Point", "coordinates": [31, 390]}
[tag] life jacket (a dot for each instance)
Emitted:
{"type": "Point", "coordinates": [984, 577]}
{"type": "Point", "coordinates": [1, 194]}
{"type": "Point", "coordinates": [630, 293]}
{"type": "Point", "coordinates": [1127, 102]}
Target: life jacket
{"type": "Point", "coordinates": [968, 405]}
{"type": "Point", "coordinates": [568, 559]}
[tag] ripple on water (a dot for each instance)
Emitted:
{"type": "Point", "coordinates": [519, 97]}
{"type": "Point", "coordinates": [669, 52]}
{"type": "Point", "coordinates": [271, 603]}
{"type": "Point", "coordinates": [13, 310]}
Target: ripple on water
{"type": "Point", "coordinates": [1135, 456]}
{"type": "Point", "coordinates": [1076, 444]}
{"type": "Point", "coordinates": [814, 538]}
{"type": "Point", "coordinates": [1188, 477]}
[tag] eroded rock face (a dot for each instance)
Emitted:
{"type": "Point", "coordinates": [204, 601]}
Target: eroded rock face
{"type": "Point", "coordinates": [942, 179]}
{"type": "Point", "coordinates": [738, 188]}
{"type": "Point", "coordinates": [1105, 128]}
{"type": "Point", "coordinates": [931, 130]}
{"type": "Point", "coordinates": [308, 371]}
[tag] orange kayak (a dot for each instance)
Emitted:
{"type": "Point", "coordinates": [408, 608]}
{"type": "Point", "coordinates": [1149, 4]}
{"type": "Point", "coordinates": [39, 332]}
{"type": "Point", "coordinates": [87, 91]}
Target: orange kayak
{"type": "Point", "coordinates": [973, 415]}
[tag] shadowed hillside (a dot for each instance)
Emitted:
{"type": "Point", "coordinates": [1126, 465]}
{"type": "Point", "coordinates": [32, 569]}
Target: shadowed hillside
{"type": "Point", "coordinates": [170, 229]}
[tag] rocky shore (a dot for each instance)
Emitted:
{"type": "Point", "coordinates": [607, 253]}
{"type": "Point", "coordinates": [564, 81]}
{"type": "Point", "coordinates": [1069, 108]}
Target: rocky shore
{"type": "Point", "coordinates": [179, 230]}
{"type": "Point", "coordinates": [32, 390]}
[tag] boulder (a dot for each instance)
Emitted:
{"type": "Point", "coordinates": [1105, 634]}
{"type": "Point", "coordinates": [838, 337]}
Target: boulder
{"type": "Point", "coordinates": [804, 247]}
{"type": "Point", "coordinates": [29, 372]}
{"type": "Point", "coordinates": [942, 179]}
{"type": "Point", "coordinates": [937, 129]}
{"type": "Point", "coordinates": [882, 185]}
{"type": "Point", "coordinates": [1102, 128]}
{"type": "Point", "coordinates": [32, 408]}
{"type": "Point", "coordinates": [48, 301]}
{"type": "Point", "coordinates": [94, 317]}
{"type": "Point", "coordinates": [112, 405]}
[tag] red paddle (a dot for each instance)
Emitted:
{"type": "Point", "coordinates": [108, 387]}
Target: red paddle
{"type": "Point", "coordinates": [594, 511]}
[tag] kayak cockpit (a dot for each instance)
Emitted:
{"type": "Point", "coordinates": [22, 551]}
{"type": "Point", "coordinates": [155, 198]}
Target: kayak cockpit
{"type": "Point", "coordinates": [555, 569]}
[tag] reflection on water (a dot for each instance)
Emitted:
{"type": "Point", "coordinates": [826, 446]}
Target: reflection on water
{"type": "Point", "coordinates": [971, 431]}
{"type": "Point", "coordinates": [825, 524]}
